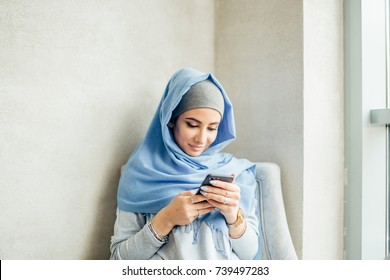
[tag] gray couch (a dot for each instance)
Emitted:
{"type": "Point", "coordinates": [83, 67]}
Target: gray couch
{"type": "Point", "coordinates": [275, 238]}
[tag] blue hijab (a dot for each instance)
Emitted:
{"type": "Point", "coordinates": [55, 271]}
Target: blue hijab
{"type": "Point", "coordinates": [158, 169]}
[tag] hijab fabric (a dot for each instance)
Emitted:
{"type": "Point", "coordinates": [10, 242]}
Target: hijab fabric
{"type": "Point", "coordinates": [204, 94]}
{"type": "Point", "coordinates": [158, 169]}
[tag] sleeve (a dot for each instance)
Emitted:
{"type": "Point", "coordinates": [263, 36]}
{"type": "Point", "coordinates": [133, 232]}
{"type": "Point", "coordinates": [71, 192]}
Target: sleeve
{"type": "Point", "coordinates": [246, 247]}
{"type": "Point", "coordinates": [132, 239]}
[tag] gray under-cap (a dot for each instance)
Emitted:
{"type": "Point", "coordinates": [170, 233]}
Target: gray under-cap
{"type": "Point", "coordinates": [204, 94]}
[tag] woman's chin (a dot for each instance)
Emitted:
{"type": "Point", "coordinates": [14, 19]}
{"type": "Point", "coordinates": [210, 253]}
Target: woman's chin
{"type": "Point", "coordinates": [194, 152]}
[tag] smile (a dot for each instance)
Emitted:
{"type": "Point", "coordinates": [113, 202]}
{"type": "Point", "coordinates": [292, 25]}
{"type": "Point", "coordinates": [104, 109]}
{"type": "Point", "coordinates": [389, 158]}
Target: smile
{"type": "Point", "coordinates": [195, 147]}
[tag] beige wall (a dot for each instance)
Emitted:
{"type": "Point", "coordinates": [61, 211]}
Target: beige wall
{"type": "Point", "coordinates": [79, 83]}
{"type": "Point", "coordinates": [281, 63]}
{"type": "Point", "coordinates": [262, 69]}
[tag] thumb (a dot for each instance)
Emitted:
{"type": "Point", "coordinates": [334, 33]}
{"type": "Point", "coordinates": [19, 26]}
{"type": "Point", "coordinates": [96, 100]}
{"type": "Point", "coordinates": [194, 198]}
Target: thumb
{"type": "Point", "coordinates": [187, 193]}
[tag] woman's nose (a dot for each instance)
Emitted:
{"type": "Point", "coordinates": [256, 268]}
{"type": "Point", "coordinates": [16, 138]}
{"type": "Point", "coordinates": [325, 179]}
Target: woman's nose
{"type": "Point", "coordinates": [201, 137]}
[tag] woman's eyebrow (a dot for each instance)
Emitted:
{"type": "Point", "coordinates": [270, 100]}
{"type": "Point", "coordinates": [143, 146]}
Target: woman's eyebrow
{"type": "Point", "coordinates": [199, 122]}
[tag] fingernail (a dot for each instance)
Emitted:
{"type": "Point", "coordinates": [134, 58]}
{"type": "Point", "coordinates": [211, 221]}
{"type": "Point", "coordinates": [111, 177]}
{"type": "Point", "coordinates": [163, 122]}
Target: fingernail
{"type": "Point", "coordinates": [213, 182]}
{"type": "Point", "coordinates": [203, 193]}
{"type": "Point", "coordinates": [204, 188]}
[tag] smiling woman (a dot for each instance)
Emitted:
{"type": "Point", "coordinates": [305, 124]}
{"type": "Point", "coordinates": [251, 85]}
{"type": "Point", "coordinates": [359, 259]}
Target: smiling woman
{"type": "Point", "coordinates": [195, 130]}
{"type": "Point", "coordinates": [196, 118]}
{"type": "Point", "coordinates": [160, 215]}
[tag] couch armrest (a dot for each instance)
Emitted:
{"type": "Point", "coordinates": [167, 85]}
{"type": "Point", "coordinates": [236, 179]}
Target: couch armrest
{"type": "Point", "coordinates": [276, 238]}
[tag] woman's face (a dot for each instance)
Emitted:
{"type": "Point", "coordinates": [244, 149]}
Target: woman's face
{"type": "Point", "coordinates": [196, 129]}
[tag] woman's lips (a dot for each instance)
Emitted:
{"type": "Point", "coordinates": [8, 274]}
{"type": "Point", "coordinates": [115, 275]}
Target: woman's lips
{"type": "Point", "coordinates": [196, 147]}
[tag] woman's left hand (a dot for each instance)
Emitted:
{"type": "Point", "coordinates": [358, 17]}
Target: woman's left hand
{"type": "Point", "coordinates": [225, 196]}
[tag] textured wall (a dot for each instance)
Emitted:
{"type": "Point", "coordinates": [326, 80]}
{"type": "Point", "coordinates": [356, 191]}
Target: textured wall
{"type": "Point", "coordinates": [260, 62]}
{"type": "Point", "coordinates": [79, 83]}
{"type": "Point", "coordinates": [281, 63]}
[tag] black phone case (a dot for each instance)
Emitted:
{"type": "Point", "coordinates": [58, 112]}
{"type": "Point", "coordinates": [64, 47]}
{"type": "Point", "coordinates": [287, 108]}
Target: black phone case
{"type": "Point", "coordinates": [210, 177]}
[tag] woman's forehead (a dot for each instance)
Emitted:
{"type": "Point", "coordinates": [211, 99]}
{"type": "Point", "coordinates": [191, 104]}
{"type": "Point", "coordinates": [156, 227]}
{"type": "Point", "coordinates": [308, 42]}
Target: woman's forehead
{"type": "Point", "coordinates": [203, 115]}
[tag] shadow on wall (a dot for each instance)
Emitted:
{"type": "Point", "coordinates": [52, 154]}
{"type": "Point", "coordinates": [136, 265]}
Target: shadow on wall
{"type": "Point", "coordinates": [98, 247]}
{"type": "Point", "coordinates": [129, 129]}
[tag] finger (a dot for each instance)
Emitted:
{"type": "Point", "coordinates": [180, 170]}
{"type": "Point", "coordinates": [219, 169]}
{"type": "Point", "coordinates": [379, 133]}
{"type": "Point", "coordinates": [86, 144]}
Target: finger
{"type": "Point", "coordinates": [194, 199]}
{"type": "Point", "coordinates": [205, 210]}
{"type": "Point", "coordinates": [219, 191]}
{"type": "Point", "coordinates": [187, 193]}
{"type": "Point", "coordinates": [221, 200]}
{"type": "Point", "coordinates": [225, 185]}
{"type": "Point", "coordinates": [199, 212]}
{"type": "Point", "coordinates": [203, 205]}
{"type": "Point", "coordinates": [224, 208]}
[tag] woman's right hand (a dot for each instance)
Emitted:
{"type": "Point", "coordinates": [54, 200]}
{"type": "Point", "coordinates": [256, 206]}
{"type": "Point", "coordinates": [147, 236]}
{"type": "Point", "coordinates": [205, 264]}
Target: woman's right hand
{"type": "Point", "coordinates": [182, 210]}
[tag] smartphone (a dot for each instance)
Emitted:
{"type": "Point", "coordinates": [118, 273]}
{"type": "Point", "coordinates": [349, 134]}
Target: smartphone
{"type": "Point", "coordinates": [210, 177]}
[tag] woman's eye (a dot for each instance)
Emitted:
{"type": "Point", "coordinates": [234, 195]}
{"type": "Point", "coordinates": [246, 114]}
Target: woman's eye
{"type": "Point", "coordinates": [213, 128]}
{"type": "Point", "coordinates": [192, 125]}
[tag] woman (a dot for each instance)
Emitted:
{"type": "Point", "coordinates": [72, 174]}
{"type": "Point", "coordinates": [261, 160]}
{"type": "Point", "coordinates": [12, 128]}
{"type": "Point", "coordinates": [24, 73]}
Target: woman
{"type": "Point", "coordinates": [159, 214]}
